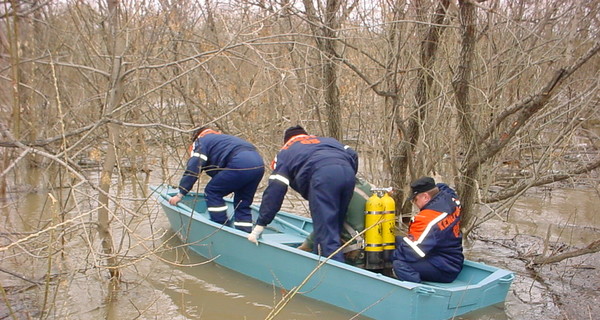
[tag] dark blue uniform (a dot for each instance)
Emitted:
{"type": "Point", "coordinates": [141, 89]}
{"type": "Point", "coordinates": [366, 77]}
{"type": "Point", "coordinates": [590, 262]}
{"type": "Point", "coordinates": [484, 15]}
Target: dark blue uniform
{"type": "Point", "coordinates": [432, 250]}
{"type": "Point", "coordinates": [323, 171]}
{"type": "Point", "coordinates": [234, 165]}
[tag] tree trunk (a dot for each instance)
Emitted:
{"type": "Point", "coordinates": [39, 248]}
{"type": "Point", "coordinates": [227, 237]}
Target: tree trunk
{"type": "Point", "coordinates": [330, 72]}
{"type": "Point", "coordinates": [467, 186]}
{"type": "Point", "coordinates": [12, 33]}
{"type": "Point", "coordinates": [325, 34]}
{"type": "Point", "coordinates": [401, 168]}
{"type": "Point", "coordinates": [115, 45]}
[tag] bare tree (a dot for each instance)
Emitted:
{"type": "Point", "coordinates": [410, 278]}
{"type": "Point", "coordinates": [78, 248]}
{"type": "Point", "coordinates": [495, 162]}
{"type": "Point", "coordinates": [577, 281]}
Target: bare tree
{"type": "Point", "coordinates": [325, 30]}
{"type": "Point", "coordinates": [116, 47]}
{"type": "Point", "coordinates": [410, 134]}
{"type": "Point", "coordinates": [481, 144]}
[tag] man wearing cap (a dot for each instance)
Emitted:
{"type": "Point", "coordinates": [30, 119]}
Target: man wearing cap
{"type": "Point", "coordinates": [233, 164]}
{"type": "Point", "coordinates": [432, 250]}
{"type": "Point", "coordinates": [323, 171]}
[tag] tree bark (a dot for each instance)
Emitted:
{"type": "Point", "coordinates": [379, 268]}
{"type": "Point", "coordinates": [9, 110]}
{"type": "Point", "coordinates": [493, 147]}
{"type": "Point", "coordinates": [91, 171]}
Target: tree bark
{"type": "Point", "coordinates": [115, 45]}
{"type": "Point", "coordinates": [12, 32]}
{"type": "Point", "coordinates": [325, 34]}
{"type": "Point", "coordinates": [467, 186]}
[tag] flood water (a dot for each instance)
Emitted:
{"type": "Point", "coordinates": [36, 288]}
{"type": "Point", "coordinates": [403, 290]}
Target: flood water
{"type": "Point", "coordinates": [174, 283]}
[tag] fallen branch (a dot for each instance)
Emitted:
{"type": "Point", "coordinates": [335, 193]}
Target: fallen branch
{"type": "Point", "coordinates": [591, 248]}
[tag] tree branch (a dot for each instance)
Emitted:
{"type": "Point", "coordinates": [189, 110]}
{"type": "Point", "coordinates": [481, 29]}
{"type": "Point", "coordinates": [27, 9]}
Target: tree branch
{"type": "Point", "coordinates": [522, 185]}
{"type": "Point", "coordinates": [525, 109]}
{"type": "Point", "coordinates": [591, 248]}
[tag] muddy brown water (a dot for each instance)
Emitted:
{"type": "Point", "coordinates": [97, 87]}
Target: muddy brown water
{"type": "Point", "coordinates": [176, 284]}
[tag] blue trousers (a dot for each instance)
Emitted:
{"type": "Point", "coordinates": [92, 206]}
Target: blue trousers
{"type": "Point", "coordinates": [331, 188]}
{"type": "Point", "coordinates": [241, 176]}
{"type": "Point", "coordinates": [419, 271]}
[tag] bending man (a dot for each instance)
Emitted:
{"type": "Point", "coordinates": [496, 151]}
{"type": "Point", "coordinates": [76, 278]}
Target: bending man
{"type": "Point", "coordinates": [323, 171]}
{"type": "Point", "coordinates": [234, 165]}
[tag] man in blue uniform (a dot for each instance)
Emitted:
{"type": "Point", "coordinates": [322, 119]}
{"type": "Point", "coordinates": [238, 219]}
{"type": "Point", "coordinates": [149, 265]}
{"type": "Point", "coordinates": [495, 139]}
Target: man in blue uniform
{"type": "Point", "coordinates": [323, 171]}
{"type": "Point", "coordinates": [234, 165]}
{"type": "Point", "coordinates": [353, 226]}
{"type": "Point", "coordinates": [432, 250]}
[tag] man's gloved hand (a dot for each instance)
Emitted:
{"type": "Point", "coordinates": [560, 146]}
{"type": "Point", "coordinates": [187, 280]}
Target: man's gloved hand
{"type": "Point", "coordinates": [255, 234]}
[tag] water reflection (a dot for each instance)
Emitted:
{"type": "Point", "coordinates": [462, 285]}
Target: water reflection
{"type": "Point", "coordinates": [210, 291]}
{"type": "Point", "coordinates": [566, 217]}
{"type": "Point", "coordinates": [570, 214]}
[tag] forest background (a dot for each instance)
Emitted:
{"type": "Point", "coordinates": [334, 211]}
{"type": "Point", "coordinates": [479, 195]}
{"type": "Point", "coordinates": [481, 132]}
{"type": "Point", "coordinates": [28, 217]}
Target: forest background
{"type": "Point", "coordinates": [492, 97]}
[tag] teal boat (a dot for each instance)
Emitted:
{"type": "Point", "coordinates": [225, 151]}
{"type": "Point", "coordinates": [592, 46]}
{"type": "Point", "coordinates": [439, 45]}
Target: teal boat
{"type": "Point", "coordinates": [277, 261]}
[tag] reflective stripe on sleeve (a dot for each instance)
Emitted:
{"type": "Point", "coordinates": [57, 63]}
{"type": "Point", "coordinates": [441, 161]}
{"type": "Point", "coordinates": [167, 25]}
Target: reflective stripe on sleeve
{"type": "Point", "coordinates": [242, 224]}
{"type": "Point", "coordinates": [429, 226]}
{"type": "Point", "coordinates": [199, 155]}
{"type": "Point", "coordinates": [274, 163]}
{"type": "Point", "coordinates": [280, 178]}
{"type": "Point", "coordinates": [217, 209]}
{"type": "Point", "coordinates": [414, 246]}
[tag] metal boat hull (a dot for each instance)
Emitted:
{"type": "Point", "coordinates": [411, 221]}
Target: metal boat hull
{"type": "Point", "coordinates": [277, 261]}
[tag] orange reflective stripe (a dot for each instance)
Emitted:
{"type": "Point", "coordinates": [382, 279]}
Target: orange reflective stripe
{"type": "Point", "coordinates": [207, 131]}
{"type": "Point", "coordinates": [303, 138]}
{"type": "Point", "coordinates": [202, 134]}
{"type": "Point", "coordinates": [419, 227]}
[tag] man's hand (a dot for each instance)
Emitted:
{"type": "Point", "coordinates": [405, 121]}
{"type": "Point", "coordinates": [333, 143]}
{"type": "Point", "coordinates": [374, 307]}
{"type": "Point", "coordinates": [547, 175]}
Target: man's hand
{"type": "Point", "coordinates": [255, 234]}
{"type": "Point", "coordinates": [174, 199]}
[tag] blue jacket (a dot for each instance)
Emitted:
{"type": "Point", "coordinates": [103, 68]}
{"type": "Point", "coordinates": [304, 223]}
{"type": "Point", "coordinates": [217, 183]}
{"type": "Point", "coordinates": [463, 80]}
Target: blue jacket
{"type": "Point", "coordinates": [293, 166]}
{"type": "Point", "coordinates": [434, 233]}
{"type": "Point", "coordinates": [210, 153]}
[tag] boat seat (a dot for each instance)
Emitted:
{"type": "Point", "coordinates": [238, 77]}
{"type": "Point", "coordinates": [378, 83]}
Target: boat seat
{"type": "Point", "coordinates": [283, 238]}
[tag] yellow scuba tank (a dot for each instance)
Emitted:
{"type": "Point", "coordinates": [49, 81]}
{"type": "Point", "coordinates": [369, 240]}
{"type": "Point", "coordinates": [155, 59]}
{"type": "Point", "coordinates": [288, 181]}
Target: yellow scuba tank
{"type": "Point", "coordinates": [388, 227]}
{"type": "Point", "coordinates": [374, 232]}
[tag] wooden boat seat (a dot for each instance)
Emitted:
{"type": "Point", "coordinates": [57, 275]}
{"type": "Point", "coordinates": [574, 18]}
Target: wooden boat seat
{"type": "Point", "coordinates": [283, 238]}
